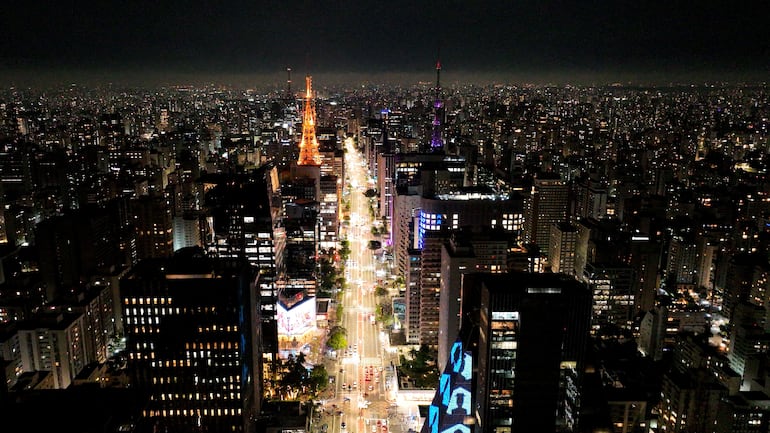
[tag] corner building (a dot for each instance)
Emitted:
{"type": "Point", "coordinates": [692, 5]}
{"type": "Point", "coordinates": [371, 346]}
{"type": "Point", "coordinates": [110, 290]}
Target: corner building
{"type": "Point", "coordinates": [525, 336]}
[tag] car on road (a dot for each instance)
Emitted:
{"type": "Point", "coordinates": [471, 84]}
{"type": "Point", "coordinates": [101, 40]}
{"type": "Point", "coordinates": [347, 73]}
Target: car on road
{"type": "Point", "coordinates": [343, 425]}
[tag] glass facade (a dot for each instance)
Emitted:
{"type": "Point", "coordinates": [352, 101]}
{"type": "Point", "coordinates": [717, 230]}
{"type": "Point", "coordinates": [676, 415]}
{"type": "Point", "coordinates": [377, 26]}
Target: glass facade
{"type": "Point", "coordinates": [502, 366]}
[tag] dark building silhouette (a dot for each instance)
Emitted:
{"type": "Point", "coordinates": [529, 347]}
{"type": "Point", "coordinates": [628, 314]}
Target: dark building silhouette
{"type": "Point", "coordinates": [525, 335]}
{"type": "Point", "coordinates": [75, 246]}
{"type": "Point", "coordinates": [153, 224]}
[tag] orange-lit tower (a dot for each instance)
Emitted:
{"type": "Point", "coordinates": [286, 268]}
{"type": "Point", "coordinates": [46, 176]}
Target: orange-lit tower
{"type": "Point", "coordinates": [308, 147]}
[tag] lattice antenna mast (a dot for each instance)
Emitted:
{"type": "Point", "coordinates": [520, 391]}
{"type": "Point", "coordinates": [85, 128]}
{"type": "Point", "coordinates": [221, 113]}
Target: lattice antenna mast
{"type": "Point", "coordinates": [436, 140]}
{"type": "Point", "coordinates": [288, 82]}
{"type": "Point", "coordinates": [308, 146]}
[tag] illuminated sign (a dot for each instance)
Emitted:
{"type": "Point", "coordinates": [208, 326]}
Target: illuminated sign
{"type": "Point", "coordinates": [459, 402]}
{"type": "Point", "coordinates": [461, 361]}
{"type": "Point", "coordinates": [444, 389]}
{"type": "Point", "coordinates": [545, 290]}
{"type": "Point", "coordinates": [298, 319]}
{"type": "Point", "coordinates": [505, 315]}
{"type": "Point", "coordinates": [452, 405]}
{"type": "Point", "coordinates": [433, 418]}
{"type": "Point", "coordinates": [457, 428]}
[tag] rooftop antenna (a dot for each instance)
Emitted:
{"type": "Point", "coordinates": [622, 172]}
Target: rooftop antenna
{"type": "Point", "coordinates": [437, 141]}
{"type": "Point", "coordinates": [288, 81]}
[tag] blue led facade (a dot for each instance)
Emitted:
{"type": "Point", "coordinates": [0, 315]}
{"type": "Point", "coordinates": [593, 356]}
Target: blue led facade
{"type": "Point", "coordinates": [428, 222]}
{"type": "Point", "coordinates": [451, 409]}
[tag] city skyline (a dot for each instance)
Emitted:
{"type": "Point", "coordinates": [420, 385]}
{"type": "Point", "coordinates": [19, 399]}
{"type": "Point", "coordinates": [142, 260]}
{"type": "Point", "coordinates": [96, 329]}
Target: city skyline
{"type": "Point", "coordinates": [253, 43]}
{"type": "Point", "coordinates": [471, 217]}
{"type": "Point", "coordinates": [175, 245]}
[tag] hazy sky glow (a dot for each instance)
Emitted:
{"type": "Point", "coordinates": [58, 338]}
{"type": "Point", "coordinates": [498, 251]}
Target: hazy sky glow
{"type": "Point", "coordinates": [175, 39]}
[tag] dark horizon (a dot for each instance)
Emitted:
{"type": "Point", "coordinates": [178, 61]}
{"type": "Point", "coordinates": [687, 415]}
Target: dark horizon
{"type": "Point", "coordinates": [56, 78]}
{"type": "Point", "coordinates": [166, 43]}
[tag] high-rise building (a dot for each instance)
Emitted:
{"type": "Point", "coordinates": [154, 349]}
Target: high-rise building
{"type": "Point", "coordinates": [563, 248]}
{"type": "Point", "coordinates": [328, 213]}
{"type": "Point", "coordinates": [244, 220]}
{"type": "Point", "coordinates": [466, 251]}
{"type": "Point", "coordinates": [73, 247]}
{"type": "Point", "coordinates": [545, 206]}
{"type": "Point", "coordinates": [385, 186]}
{"type": "Point", "coordinates": [682, 261]}
{"type": "Point", "coordinates": [16, 168]}
{"type": "Point", "coordinates": [690, 402]}
{"type": "Point", "coordinates": [435, 172]}
{"type": "Point", "coordinates": [517, 363]}
{"type": "Point", "coordinates": [708, 246]}
{"type": "Point", "coordinates": [332, 174]}
{"type": "Point", "coordinates": [406, 206]}
{"type": "Point", "coordinates": [613, 299]}
{"type": "Point", "coordinates": [744, 272]}
{"type": "Point", "coordinates": [55, 342]}
{"type": "Point", "coordinates": [645, 258]}
{"type": "Point", "coordinates": [332, 155]}
{"type": "Point", "coordinates": [700, 392]}
{"type": "Point", "coordinates": [186, 230]}
{"type": "Point", "coordinates": [153, 224]}
{"type": "Point", "coordinates": [590, 199]}
{"type": "Point", "coordinates": [192, 329]}
{"type": "Point", "coordinates": [417, 175]}
{"type": "Point", "coordinates": [413, 272]}
{"type": "Point", "coordinates": [748, 336]}
{"type": "Point", "coordinates": [440, 214]}
{"type": "Point", "coordinates": [97, 305]}
{"type": "Point", "coordinates": [745, 412]}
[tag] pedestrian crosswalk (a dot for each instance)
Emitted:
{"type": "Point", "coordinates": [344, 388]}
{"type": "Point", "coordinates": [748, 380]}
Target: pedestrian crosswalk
{"type": "Point", "coordinates": [376, 361]}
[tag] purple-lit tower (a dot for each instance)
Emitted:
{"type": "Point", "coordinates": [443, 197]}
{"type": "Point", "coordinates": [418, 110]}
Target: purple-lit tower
{"type": "Point", "coordinates": [436, 140]}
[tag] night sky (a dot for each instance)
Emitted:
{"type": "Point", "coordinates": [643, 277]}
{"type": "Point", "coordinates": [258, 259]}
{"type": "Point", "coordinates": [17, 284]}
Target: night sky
{"type": "Point", "coordinates": [605, 40]}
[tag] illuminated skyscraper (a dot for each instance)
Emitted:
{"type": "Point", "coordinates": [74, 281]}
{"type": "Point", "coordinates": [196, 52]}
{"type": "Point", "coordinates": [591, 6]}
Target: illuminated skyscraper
{"type": "Point", "coordinates": [546, 206]}
{"type": "Point", "coordinates": [191, 323]}
{"type": "Point", "coordinates": [154, 229]}
{"type": "Point", "coordinates": [517, 362]}
{"type": "Point", "coordinates": [438, 215]}
{"type": "Point", "coordinates": [563, 246]}
{"type": "Point", "coordinates": [308, 147]}
{"type": "Point", "coordinates": [466, 251]}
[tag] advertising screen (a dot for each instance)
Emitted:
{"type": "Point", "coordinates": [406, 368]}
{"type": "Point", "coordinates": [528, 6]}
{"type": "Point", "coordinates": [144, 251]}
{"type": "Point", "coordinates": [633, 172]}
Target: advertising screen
{"type": "Point", "coordinates": [452, 406]}
{"type": "Point", "coordinates": [297, 320]}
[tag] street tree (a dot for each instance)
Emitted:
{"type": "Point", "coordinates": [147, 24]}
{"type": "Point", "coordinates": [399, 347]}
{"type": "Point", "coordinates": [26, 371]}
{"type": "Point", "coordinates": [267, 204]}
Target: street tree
{"type": "Point", "coordinates": [337, 338]}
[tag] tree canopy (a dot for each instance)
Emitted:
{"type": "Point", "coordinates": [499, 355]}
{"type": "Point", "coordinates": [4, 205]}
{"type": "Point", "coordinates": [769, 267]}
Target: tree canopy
{"type": "Point", "coordinates": [337, 338]}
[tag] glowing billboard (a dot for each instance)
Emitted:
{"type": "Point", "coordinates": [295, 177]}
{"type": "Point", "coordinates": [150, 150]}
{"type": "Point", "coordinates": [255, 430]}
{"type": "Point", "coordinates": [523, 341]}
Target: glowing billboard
{"type": "Point", "coordinates": [297, 319]}
{"type": "Point", "coordinates": [450, 411]}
